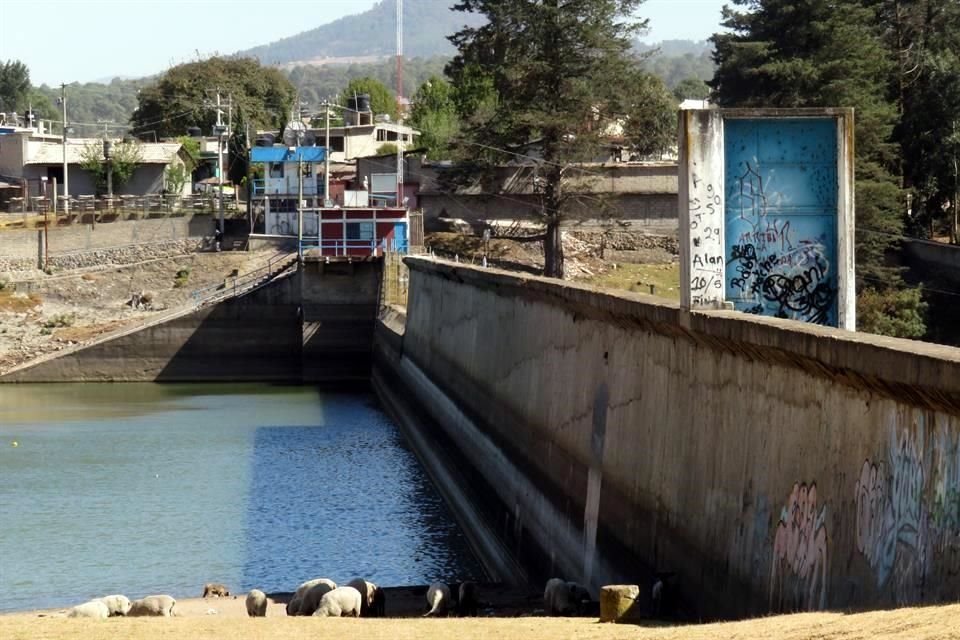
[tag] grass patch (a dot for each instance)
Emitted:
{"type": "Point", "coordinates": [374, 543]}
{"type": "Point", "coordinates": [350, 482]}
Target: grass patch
{"type": "Point", "coordinates": [12, 303]}
{"type": "Point", "coordinates": [665, 279]}
{"type": "Point", "coordinates": [59, 320]}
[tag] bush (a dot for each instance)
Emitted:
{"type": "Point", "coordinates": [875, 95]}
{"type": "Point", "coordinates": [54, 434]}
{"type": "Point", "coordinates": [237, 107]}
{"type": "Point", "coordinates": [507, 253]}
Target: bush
{"type": "Point", "coordinates": [898, 313]}
{"type": "Point", "coordinates": [180, 280]}
{"type": "Point", "coordinates": [57, 321]}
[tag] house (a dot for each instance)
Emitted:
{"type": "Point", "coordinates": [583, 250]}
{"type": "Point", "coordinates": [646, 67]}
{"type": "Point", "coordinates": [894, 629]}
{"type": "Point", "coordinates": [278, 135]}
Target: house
{"type": "Point", "coordinates": [361, 134]}
{"type": "Point", "coordinates": [34, 155]}
{"type": "Point", "coordinates": [348, 229]}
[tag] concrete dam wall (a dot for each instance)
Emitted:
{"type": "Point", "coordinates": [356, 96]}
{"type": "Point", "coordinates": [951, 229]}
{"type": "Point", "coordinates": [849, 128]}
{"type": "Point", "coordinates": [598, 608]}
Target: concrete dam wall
{"type": "Point", "coordinates": [313, 325]}
{"type": "Point", "coordinates": [756, 464]}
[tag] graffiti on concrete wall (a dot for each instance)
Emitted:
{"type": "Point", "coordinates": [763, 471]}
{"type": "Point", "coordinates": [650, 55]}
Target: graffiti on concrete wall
{"type": "Point", "coordinates": [908, 509]}
{"type": "Point", "coordinates": [781, 217]}
{"type": "Point", "coordinates": [799, 569]}
{"type": "Point", "coordinates": [706, 255]}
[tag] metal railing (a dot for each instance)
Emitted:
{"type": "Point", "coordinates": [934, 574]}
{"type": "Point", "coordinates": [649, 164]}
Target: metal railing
{"type": "Point", "coordinates": [339, 247]}
{"type": "Point", "coordinates": [233, 285]}
{"type": "Point", "coordinates": [143, 205]}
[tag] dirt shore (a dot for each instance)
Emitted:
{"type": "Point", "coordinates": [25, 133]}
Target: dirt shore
{"type": "Point", "coordinates": [198, 620]}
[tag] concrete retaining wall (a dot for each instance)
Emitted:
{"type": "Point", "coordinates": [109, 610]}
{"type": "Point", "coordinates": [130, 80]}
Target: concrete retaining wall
{"type": "Point", "coordinates": [761, 464]}
{"type": "Point", "coordinates": [315, 325]}
{"type": "Point", "coordinates": [255, 337]}
{"type": "Point", "coordinates": [934, 257]}
{"type": "Point", "coordinates": [123, 241]}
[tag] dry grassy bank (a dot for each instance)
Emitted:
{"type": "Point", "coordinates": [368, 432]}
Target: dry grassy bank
{"type": "Point", "coordinates": [930, 623]}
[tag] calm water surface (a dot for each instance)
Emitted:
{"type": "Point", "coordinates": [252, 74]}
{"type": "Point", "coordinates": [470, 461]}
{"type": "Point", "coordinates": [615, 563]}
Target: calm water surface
{"type": "Point", "coordinates": [143, 488]}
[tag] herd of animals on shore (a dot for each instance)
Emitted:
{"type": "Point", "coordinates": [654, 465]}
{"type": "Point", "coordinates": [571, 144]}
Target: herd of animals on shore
{"type": "Point", "coordinates": [322, 597]}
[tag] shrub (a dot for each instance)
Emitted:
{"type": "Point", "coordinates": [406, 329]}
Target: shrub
{"type": "Point", "coordinates": [181, 278]}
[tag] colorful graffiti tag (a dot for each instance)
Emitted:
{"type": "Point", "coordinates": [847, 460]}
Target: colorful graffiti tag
{"type": "Point", "coordinates": [781, 218]}
{"type": "Point", "coordinates": [908, 509]}
{"type": "Point", "coordinates": [799, 570]}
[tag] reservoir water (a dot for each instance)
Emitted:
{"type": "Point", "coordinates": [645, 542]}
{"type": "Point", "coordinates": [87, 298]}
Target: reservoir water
{"type": "Point", "coordinates": [145, 488]}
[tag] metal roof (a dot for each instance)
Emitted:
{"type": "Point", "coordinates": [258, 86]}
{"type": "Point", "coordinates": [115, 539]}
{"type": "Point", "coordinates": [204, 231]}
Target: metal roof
{"type": "Point", "coordinates": [286, 154]}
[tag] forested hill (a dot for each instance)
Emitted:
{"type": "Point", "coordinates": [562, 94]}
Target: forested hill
{"type": "Point", "coordinates": [427, 23]}
{"type": "Point", "coordinates": [93, 103]}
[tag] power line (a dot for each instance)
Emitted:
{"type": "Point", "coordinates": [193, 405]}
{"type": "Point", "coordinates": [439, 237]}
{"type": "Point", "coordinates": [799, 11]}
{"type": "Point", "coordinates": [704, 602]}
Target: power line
{"type": "Point", "coordinates": [573, 166]}
{"type": "Point", "coordinates": [903, 237]}
{"type": "Point", "coordinates": [921, 286]}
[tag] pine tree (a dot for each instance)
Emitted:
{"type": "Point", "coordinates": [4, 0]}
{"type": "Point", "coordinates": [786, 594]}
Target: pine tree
{"type": "Point", "coordinates": [923, 37]}
{"type": "Point", "coordinates": [554, 68]}
{"type": "Point", "coordinates": [821, 53]}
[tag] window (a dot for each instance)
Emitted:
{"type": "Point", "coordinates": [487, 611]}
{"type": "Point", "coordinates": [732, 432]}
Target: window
{"type": "Point", "coordinates": [336, 143]}
{"type": "Point", "coordinates": [276, 169]}
{"type": "Point", "coordinates": [359, 231]}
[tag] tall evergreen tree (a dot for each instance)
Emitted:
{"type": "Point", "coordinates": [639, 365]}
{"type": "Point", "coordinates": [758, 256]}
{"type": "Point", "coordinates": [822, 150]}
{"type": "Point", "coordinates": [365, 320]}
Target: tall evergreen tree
{"type": "Point", "coordinates": [923, 37]}
{"type": "Point", "coordinates": [556, 67]}
{"type": "Point", "coordinates": [826, 53]}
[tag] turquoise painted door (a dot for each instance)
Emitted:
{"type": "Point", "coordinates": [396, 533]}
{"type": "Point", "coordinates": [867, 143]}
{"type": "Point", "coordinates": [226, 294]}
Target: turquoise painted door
{"type": "Point", "coordinates": [400, 237]}
{"type": "Point", "coordinates": [781, 217]}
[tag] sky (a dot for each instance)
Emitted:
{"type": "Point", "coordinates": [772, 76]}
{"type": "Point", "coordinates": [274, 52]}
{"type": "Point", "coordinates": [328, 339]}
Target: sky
{"type": "Point", "coordinates": [94, 40]}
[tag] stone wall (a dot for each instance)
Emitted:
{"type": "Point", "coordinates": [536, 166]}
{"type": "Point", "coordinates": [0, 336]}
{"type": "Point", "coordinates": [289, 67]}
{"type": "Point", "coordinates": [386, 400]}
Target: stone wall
{"type": "Point", "coordinates": [120, 242]}
{"type": "Point", "coordinates": [759, 464]}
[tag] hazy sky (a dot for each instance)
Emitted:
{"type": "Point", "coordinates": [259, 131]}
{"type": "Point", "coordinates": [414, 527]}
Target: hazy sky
{"type": "Point", "coordinates": [87, 40]}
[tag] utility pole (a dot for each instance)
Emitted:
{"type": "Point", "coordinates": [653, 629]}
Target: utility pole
{"type": "Point", "coordinates": [66, 173]}
{"type": "Point", "coordinates": [326, 157]}
{"type": "Point", "coordinates": [299, 204]}
{"type": "Point", "coordinates": [220, 130]}
{"type": "Point", "coordinates": [399, 103]}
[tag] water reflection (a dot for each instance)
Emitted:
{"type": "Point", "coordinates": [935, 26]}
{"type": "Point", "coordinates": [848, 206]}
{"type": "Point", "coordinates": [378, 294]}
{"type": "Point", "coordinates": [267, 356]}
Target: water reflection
{"type": "Point", "coordinates": [139, 488]}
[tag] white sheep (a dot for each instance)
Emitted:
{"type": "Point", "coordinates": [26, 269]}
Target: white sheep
{"type": "Point", "coordinates": [117, 605]}
{"type": "Point", "coordinates": [256, 604]}
{"type": "Point", "coordinates": [342, 601]}
{"type": "Point", "coordinates": [373, 602]}
{"type": "Point", "coordinates": [295, 606]}
{"type": "Point", "coordinates": [93, 609]}
{"type": "Point", "coordinates": [161, 605]}
{"type": "Point", "coordinates": [313, 595]}
{"type": "Point", "coordinates": [438, 599]}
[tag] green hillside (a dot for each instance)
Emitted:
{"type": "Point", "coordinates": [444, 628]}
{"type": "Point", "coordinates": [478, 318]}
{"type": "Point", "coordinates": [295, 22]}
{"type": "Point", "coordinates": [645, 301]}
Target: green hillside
{"type": "Point", "coordinates": [372, 33]}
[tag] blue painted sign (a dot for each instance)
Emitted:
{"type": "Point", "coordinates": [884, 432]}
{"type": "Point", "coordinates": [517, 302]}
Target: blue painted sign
{"type": "Point", "coordinates": [781, 217]}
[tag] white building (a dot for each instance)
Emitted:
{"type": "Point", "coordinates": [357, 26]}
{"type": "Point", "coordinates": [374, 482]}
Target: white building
{"type": "Point", "coordinates": [35, 155]}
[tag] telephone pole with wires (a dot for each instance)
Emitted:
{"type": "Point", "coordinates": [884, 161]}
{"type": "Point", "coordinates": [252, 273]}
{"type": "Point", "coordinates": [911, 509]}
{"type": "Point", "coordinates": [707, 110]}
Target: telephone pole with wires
{"type": "Point", "coordinates": [400, 104]}
{"type": "Point", "coordinates": [220, 131]}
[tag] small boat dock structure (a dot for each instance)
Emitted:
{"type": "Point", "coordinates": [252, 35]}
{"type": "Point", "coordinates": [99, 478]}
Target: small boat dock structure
{"type": "Point", "coordinates": [289, 202]}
